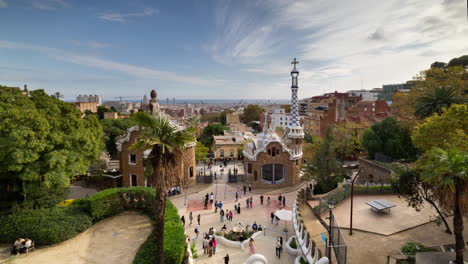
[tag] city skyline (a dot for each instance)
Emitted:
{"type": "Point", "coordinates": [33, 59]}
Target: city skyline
{"type": "Point", "coordinates": [223, 49]}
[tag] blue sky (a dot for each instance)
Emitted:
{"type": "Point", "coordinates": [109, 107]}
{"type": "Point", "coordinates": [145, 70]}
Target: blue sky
{"type": "Point", "coordinates": [207, 49]}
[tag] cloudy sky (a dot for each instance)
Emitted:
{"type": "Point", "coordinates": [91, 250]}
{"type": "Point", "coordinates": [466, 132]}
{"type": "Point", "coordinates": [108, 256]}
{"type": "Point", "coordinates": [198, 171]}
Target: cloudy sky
{"type": "Point", "coordinates": [239, 49]}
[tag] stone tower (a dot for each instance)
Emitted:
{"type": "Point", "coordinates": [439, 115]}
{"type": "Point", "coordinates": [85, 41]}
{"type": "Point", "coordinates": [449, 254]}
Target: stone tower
{"type": "Point", "coordinates": [294, 133]}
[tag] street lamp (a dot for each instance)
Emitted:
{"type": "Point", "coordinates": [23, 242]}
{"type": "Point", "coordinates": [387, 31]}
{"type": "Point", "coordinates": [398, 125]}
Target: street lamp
{"type": "Point", "coordinates": [331, 204]}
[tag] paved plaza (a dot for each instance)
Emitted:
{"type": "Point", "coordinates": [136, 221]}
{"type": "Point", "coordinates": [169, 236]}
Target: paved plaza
{"type": "Point", "coordinates": [113, 240]}
{"type": "Point", "coordinates": [399, 218]}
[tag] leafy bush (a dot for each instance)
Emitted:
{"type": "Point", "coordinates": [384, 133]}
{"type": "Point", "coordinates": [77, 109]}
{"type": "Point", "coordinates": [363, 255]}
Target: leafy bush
{"type": "Point", "coordinates": [303, 261]}
{"type": "Point", "coordinates": [194, 251]}
{"type": "Point", "coordinates": [113, 201]}
{"type": "Point", "coordinates": [293, 243]}
{"type": "Point", "coordinates": [174, 240]}
{"type": "Point", "coordinates": [45, 226]}
{"type": "Point", "coordinates": [410, 249]}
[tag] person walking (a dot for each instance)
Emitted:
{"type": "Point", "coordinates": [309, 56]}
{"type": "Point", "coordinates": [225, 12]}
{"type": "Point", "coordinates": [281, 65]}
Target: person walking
{"type": "Point", "coordinates": [216, 206]}
{"type": "Point", "coordinates": [251, 202]}
{"type": "Point", "coordinates": [226, 259]}
{"type": "Point", "coordinates": [245, 189]}
{"type": "Point", "coordinates": [284, 200]}
{"type": "Point", "coordinates": [205, 245]}
{"type": "Point", "coordinates": [247, 202]}
{"type": "Point", "coordinates": [238, 208]}
{"type": "Point", "coordinates": [220, 205]}
{"type": "Point", "coordinates": [277, 220]}
{"type": "Point", "coordinates": [272, 215]}
{"type": "Point", "coordinates": [205, 205]}
{"type": "Point", "coordinates": [211, 198]}
{"type": "Point", "coordinates": [268, 201]}
{"type": "Point", "coordinates": [237, 197]}
{"type": "Point", "coordinates": [214, 244]}
{"type": "Point", "coordinates": [221, 215]}
{"type": "Point", "coordinates": [230, 216]}
{"type": "Point", "coordinates": [261, 199]}
{"type": "Point", "coordinates": [278, 248]}
{"type": "Point", "coordinates": [197, 231]}
{"type": "Point", "coordinates": [210, 248]}
{"type": "Point", "coordinates": [198, 219]}
{"type": "Point", "coordinates": [190, 218]}
{"type": "Point", "coordinates": [182, 218]}
{"type": "Point", "coordinates": [251, 246]}
{"type": "Point", "coordinates": [250, 187]}
{"type": "Point", "coordinates": [281, 243]}
{"type": "Point", "coordinates": [280, 199]}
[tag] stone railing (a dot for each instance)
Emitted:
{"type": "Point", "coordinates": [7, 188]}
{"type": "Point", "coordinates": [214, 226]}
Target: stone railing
{"type": "Point", "coordinates": [306, 247]}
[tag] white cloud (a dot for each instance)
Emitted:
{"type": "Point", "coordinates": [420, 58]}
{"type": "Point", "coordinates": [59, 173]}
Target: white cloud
{"type": "Point", "coordinates": [3, 4]}
{"type": "Point", "coordinates": [122, 18]}
{"type": "Point", "coordinates": [49, 5]}
{"type": "Point", "coordinates": [340, 43]}
{"type": "Point", "coordinates": [91, 44]}
{"type": "Point", "coordinates": [110, 65]}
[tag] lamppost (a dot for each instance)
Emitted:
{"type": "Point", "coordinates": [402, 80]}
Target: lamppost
{"type": "Point", "coordinates": [352, 198]}
{"type": "Point", "coordinates": [331, 204]}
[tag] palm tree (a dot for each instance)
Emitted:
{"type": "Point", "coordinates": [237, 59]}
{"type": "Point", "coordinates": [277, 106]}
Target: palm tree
{"type": "Point", "coordinates": [443, 97]}
{"type": "Point", "coordinates": [447, 172]}
{"type": "Point", "coordinates": [194, 123]}
{"type": "Point", "coordinates": [57, 95]}
{"type": "Point", "coordinates": [166, 143]}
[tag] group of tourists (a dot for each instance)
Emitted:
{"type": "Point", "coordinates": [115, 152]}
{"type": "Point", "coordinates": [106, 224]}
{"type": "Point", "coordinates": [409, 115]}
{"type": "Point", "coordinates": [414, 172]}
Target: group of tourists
{"type": "Point", "coordinates": [173, 191]}
{"type": "Point", "coordinates": [228, 214]}
{"type": "Point", "coordinates": [182, 218]}
{"type": "Point", "coordinates": [21, 245]}
{"type": "Point", "coordinates": [274, 217]}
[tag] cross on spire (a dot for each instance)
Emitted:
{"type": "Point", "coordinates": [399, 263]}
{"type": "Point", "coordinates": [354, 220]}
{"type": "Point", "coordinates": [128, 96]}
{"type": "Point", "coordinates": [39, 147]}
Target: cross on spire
{"type": "Point", "coordinates": [295, 62]}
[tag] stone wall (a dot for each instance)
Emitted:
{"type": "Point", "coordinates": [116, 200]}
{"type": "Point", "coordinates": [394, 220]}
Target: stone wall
{"type": "Point", "coordinates": [373, 172]}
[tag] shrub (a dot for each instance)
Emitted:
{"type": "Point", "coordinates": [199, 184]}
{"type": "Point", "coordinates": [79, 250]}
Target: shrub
{"type": "Point", "coordinates": [113, 201]}
{"type": "Point", "coordinates": [174, 240]}
{"type": "Point", "coordinates": [293, 243]}
{"type": "Point", "coordinates": [303, 261]}
{"type": "Point", "coordinates": [194, 251]}
{"type": "Point", "coordinates": [45, 226]}
{"type": "Point", "coordinates": [410, 249]}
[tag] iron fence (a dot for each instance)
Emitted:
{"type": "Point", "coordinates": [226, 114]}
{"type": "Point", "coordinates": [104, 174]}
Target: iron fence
{"type": "Point", "coordinates": [338, 243]}
{"type": "Point", "coordinates": [205, 179]}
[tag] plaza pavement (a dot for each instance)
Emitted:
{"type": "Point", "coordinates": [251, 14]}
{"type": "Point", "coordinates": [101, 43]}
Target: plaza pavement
{"type": "Point", "coordinates": [113, 240]}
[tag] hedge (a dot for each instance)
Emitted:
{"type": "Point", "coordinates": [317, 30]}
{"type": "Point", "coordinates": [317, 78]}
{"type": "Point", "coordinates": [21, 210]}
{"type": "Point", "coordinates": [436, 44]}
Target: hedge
{"type": "Point", "coordinates": [174, 240]}
{"type": "Point", "coordinates": [49, 226]}
{"type": "Point", "coordinates": [45, 226]}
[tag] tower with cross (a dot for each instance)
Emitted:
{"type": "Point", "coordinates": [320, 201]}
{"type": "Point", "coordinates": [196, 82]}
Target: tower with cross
{"type": "Point", "coordinates": [294, 87]}
{"type": "Point", "coordinates": [294, 132]}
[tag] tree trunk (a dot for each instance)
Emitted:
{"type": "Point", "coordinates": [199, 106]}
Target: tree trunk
{"type": "Point", "coordinates": [159, 204]}
{"type": "Point", "coordinates": [159, 213]}
{"type": "Point", "coordinates": [458, 222]}
{"type": "Point", "coordinates": [447, 227]}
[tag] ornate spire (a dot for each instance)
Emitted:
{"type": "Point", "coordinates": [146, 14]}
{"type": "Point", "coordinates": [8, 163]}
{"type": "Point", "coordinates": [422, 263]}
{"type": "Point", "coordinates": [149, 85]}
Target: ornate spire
{"type": "Point", "coordinates": [294, 88]}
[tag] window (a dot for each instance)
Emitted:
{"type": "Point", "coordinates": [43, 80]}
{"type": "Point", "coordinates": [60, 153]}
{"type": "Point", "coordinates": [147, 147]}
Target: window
{"type": "Point", "coordinates": [269, 152]}
{"type": "Point", "coordinates": [365, 109]}
{"type": "Point", "coordinates": [281, 123]}
{"type": "Point", "coordinates": [373, 109]}
{"type": "Point", "coordinates": [273, 173]}
{"type": "Point", "coordinates": [249, 168]}
{"type": "Point", "coordinates": [191, 171]}
{"type": "Point", "coordinates": [273, 152]}
{"type": "Point", "coordinates": [132, 159]}
{"type": "Point", "coordinates": [281, 118]}
{"type": "Point", "coordinates": [231, 153]}
{"type": "Point", "coordinates": [221, 153]}
{"type": "Point", "coordinates": [133, 180]}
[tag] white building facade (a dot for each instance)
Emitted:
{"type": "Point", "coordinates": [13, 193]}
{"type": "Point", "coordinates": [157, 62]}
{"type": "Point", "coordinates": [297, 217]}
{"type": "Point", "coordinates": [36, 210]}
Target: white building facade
{"type": "Point", "coordinates": [367, 95]}
{"type": "Point", "coordinates": [279, 118]}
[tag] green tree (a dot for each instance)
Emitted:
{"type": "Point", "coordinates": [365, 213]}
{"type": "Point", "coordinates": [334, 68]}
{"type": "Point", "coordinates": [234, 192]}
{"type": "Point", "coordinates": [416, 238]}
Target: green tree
{"type": "Point", "coordinates": [114, 128]}
{"type": "Point", "coordinates": [193, 123]}
{"type": "Point", "coordinates": [389, 138]}
{"type": "Point", "coordinates": [447, 172]}
{"type": "Point", "coordinates": [57, 95]}
{"type": "Point", "coordinates": [201, 152]}
{"type": "Point", "coordinates": [104, 109]}
{"type": "Point", "coordinates": [460, 61]}
{"type": "Point", "coordinates": [166, 143]}
{"type": "Point", "coordinates": [210, 131]}
{"type": "Point", "coordinates": [287, 108]}
{"type": "Point", "coordinates": [346, 141]}
{"type": "Point", "coordinates": [445, 131]}
{"type": "Point", "coordinates": [45, 142]}
{"type": "Point", "coordinates": [325, 165]}
{"type": "Point", "coordinates": [442, 97]}
{"type": "Point", "coordinates": [415, 191]}
{"type": "Point", "coordinates": [252, 113]}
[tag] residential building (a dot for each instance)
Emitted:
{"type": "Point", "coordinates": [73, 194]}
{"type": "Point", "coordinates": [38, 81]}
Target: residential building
{"type": "Point", "coordinates": [279, 118]}
{"type": "Point", "coordinates": [389, 89]}
{"type": "Point", "coordinates": [226, 146]}
{"type": "Point", "coordinates": [111, 115]}
{"type": "Point", "coordinates": [89, 99]}
{"type": "Point", "coordinates": [83, 106]}
{"type": "Point", "coordinates": [368, 112]}
{"type": "Point", "coordinates": [367, 95]}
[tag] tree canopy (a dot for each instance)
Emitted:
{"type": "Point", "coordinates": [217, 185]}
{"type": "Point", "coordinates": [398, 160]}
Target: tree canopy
{"type": "Point", "coordinates": [252, 113]}
{"type": "Point", "coordinates": [389, 138]}
{"type": "Point", "coordinates": [114, 128]}
{"type": "Point", "coordinates": [450, 128]}
{"type": "Point", "coordinates": [209, 131]}
{"type": "Point", "coordinates": [45, 142]}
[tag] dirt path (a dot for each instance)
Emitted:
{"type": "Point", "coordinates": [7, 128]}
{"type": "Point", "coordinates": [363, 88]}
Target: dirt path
{"type": "Point", "coordinates": [113, 240]}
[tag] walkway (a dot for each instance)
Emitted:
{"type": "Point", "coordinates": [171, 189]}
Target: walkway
{"type": "Point", "coordinates": [113, 240]}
